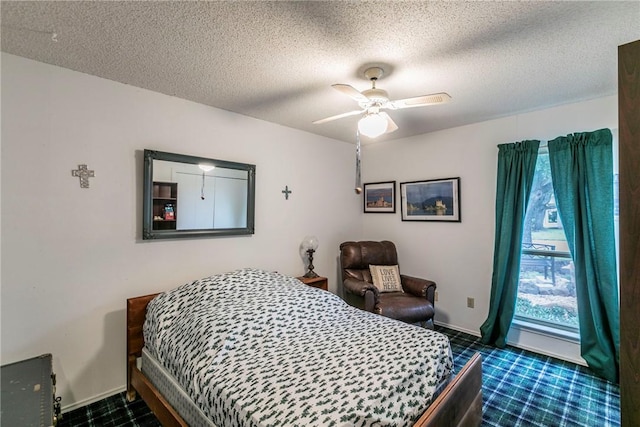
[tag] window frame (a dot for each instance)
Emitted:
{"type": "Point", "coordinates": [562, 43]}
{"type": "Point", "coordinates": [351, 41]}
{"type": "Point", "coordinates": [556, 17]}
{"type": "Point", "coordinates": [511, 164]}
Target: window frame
{"type": "Point", "coordinates": [540, 325]}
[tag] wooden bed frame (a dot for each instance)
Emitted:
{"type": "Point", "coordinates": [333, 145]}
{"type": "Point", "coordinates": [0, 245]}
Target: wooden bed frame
{"type": "Point", "coordinates": [459, 404]}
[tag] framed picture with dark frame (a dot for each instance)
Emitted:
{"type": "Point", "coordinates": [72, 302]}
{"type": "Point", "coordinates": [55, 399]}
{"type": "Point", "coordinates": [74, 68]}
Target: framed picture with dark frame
{"type": "Point", "coordinates": [380, 197]}
{"type": "Point", "coordinates": [431, 200]}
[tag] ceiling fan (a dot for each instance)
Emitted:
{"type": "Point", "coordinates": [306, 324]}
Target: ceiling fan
{"type": "Point", "coordinates": [374, 121]}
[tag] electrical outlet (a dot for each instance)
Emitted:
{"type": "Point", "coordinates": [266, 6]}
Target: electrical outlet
{"type": "Point", "coordinates": [470, 302]}
{"type": "Point", "coordinates": [436, 296]}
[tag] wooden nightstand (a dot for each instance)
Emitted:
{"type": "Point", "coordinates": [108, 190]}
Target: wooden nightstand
{"type": "Point", "coordinates": [316, 282]}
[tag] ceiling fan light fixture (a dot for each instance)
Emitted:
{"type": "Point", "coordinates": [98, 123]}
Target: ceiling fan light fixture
{"type": "Point", "coordinates": [372, 125]}
{"type": "Point", "coordinates": [374, 121]}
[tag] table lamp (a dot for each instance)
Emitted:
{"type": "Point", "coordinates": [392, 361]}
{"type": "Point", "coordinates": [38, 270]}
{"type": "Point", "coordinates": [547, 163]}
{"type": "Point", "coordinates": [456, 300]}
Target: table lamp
{"type": "Point", "coordinates": [310, 244]}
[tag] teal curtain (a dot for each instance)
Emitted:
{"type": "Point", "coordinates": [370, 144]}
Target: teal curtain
{"type": "Point", "coordinates": [582, 174]}
{"type": "Point", "coordinates": [516, 167]}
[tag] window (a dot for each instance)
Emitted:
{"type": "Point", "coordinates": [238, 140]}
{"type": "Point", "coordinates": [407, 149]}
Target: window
{"type": "Point", "coordinates": [547, 288]}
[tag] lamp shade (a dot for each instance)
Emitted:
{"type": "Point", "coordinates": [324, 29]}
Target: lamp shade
{"type": "Point", "coordinates": [310, 242]}
{"type": "Point", "coordinates": [372, 125]}
{"type": "Point", "coordinates": [206, 167]}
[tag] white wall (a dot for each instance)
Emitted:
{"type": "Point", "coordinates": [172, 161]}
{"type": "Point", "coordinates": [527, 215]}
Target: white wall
{"type": "Point", "coordinates": [459, 256]}
{"type": "Point", "coordinates": [71, 256]}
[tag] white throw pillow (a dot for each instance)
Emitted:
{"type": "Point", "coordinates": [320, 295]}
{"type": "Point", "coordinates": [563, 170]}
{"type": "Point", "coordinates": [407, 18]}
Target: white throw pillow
{"type": "Point", "coordinates": [386, 278]}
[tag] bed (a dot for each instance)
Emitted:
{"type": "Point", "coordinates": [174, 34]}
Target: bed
{"type": "Point", "coordinates": [257, 348]}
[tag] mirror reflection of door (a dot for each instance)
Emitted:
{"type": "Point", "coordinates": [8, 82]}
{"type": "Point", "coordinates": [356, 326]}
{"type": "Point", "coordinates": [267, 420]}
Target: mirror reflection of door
{"type": "Point", "coordinates": [195, 212]}
{"type": "Point", "coordinates": [231, 201]}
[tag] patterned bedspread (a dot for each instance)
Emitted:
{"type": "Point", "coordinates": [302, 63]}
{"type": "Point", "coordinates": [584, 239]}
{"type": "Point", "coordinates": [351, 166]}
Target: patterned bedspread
{"type": "Point", "coordinates": [255, 348]}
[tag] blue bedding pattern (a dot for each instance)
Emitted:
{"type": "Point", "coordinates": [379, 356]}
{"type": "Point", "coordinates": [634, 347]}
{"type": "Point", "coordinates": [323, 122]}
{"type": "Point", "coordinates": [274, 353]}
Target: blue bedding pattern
{"type": "Point", "coordinates": [256, 348]}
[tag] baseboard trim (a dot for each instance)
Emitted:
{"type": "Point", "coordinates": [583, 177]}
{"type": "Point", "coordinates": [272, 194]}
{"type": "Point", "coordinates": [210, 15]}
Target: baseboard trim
{"type": "Point", "coordinates": [549, 353]}
{"type": "Point", "coordinates": [459, 329]}
{"type": "Point", "coordinates": [93, 399]}
{"type": "Point", "coordinates": [580, 362]}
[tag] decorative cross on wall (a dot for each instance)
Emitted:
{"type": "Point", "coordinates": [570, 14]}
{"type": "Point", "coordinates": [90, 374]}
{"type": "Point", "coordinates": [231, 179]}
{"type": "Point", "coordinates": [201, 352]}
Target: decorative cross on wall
{"type": "Point", "coordinates": [84, 174]}
{"type": "Point", "coordinates": [286, 192]}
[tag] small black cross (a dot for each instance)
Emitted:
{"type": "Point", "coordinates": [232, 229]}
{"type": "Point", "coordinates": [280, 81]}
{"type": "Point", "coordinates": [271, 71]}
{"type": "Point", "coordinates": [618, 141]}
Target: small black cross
{"type": "Point", "coordinates": [286, 192]}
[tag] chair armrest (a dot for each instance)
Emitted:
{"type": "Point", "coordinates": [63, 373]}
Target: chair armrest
{"type": "Point", "coordinates": [419, 287]}
{"type": "Point", "coordinates": [360, 287]}
{"type": "Point", "coordinates": [368, 293]}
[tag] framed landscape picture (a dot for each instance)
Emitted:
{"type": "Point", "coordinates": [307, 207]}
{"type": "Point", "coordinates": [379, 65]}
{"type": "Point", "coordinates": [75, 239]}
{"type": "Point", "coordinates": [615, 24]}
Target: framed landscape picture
{"type": "Point", "coordinates": [432, 200]}
{"type": "Point", "coordinates": [380, 197]}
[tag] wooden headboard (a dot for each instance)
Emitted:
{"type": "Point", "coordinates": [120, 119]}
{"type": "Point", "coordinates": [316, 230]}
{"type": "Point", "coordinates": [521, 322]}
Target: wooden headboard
{"type": "Point", "coordinates": [136, 312]}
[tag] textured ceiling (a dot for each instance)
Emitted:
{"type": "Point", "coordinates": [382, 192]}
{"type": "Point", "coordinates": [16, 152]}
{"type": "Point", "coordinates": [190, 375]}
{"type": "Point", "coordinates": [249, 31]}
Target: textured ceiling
{"type": "Point", "coordinates": [276, 61]}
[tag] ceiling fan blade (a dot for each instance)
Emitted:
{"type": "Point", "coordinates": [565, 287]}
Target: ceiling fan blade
{"type": "Point", "coordinates": [351, 92]}
{"type": "Point", "coordinates": [418, 101]}
{"type": "Point", "coordinates": [391, 125]}
{"type": "Point", "coordinates": [336, 117]}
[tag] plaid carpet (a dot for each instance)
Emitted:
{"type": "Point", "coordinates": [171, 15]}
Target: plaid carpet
{"type": "Point", "coordinates": [519, 389]}
{"type": "Point", "coordinates": [113, 411]}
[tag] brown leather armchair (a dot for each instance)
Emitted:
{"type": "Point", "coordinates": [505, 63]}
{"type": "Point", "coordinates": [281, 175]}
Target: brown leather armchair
{"type": "Point", "coordinates": [415, 304]}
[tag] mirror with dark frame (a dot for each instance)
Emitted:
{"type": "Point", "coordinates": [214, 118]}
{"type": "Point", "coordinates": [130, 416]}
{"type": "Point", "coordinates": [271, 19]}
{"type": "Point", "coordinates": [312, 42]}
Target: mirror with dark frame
{"type": "Point", "coordinates": [189, 196]}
